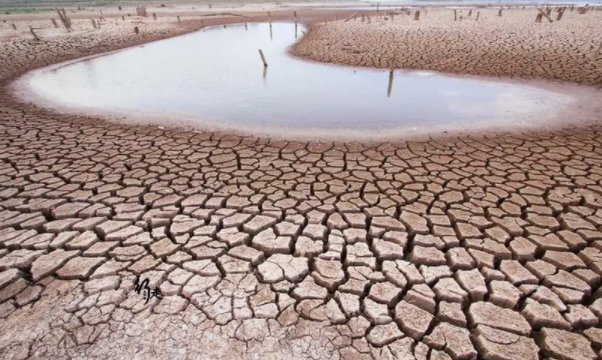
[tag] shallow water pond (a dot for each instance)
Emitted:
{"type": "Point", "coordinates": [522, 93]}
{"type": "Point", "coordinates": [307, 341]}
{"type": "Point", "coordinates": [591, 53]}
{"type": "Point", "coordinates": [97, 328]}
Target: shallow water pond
{"type": "Point", "coordinates": [216, 77]}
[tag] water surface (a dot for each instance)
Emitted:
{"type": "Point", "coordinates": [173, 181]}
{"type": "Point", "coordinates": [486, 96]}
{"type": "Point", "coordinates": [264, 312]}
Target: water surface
{"type": "Point", "coordinates": [215, 77]}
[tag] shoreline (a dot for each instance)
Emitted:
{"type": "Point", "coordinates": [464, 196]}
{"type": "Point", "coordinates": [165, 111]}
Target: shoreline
{"type": "Point", "coordinates": [15, 89]}
{"type": "Point", "coordinates": [582, 96]}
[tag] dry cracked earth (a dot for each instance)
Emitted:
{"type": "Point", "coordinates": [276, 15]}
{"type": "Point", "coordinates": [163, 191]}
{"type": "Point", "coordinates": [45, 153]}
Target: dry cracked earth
{"type": "Point", "coordinates": [451, 248]}
{"type": "Point", "coordinates": [512, 45]}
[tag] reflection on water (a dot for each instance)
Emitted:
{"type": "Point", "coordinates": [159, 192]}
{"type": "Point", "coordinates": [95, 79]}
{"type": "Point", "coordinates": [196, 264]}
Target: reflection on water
{"type": "Point", "coordinates": [217, 75]}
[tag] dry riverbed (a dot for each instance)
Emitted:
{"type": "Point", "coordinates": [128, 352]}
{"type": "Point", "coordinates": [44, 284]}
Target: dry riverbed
{"type": "Point", "coordinates": [451, 248]}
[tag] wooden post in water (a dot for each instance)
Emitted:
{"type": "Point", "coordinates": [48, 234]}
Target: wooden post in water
{"type": "Point", "coordinates": [390, 86]}
{"type": "Point", "coordinates": [295, 29]}
{"type": "Point", "coordinates": [265, 64]}
{"type": "Point", "coordinates": [246, 28]}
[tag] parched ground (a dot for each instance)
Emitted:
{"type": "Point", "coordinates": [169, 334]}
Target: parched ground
{"type": "Point", "coordinates": [452, 248]}
{"type": "Point", "coordinates": [510, 45]}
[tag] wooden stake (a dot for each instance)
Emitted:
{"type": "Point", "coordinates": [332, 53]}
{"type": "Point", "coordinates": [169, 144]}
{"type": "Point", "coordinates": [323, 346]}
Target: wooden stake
{"type": "Point", "coordinates": [14, 27]}
{"type": "Point", "coordinates": [64, 18]}
{"type": "Point", "coordinates": [417, 15]}
{"type": "Point", "coordinates": [246, 28]}
{"type": "Point", "coordinates": [543, 13]}
{"type": "Point", "coordinates": [93, 23]}
{"type": "Point", "coordinates": [136, 30]}
{"type": "Point", "coordinates": [178, 18]}
{"type": "Point", "coordinates": [265, 64]}
{"type": "Point", "coordinates": [478, 13]}
{"type": "Point", "coordinates": [54, 23]}
{"type": "Point", "coordinates": [560, 13]}
{"type": "Point", "coordinates": [455, 15]}
{"type": "Point", "coordinates": [349, 18]}
{"type": "Point", "coordinates": [34, 34]}
{"type": "Point", "coordinates": [499, 13]}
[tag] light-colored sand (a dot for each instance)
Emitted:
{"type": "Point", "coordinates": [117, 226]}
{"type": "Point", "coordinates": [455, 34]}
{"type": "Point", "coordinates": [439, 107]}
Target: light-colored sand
{"type": "Point", "coordinates": [511, 45]}
{"type": "Point", "coordinates": [456, 248]}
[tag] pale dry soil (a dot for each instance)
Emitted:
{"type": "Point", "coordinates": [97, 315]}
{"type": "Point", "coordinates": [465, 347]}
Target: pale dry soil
{"type": "Point", "coordinates": [452, 248]}
{"type": "Point", "coordinates": [512, 45]}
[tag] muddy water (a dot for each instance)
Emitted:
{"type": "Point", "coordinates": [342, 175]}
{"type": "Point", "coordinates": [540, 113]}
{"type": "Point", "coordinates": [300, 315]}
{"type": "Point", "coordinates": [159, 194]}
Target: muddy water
{"type": "Point", "coordinates": [216, 78]}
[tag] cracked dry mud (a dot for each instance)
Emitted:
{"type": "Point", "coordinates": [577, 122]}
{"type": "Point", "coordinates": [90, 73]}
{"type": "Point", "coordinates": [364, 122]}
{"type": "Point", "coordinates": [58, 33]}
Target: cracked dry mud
{"type": "Point", "coordinates": [512, 45]}
{"type": "Point", "coordinates": [451, 248]}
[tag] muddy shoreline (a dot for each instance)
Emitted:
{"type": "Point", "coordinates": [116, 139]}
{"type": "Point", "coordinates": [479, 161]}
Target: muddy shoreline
{"type": "Point", "coordinates": [584, 110]}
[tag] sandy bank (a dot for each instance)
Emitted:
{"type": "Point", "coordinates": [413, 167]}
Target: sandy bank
{"type": "Point", "coordinates": [512, 45]}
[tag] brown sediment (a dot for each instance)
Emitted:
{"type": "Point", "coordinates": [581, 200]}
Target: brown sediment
{"type": "Point", "coordinates": [451, 248]}
{"type": "Point", "coordinates": [511, 46]}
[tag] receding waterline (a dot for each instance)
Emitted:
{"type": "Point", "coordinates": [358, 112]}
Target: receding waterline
{"type": "Point", "coordinates": [216, 77]}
